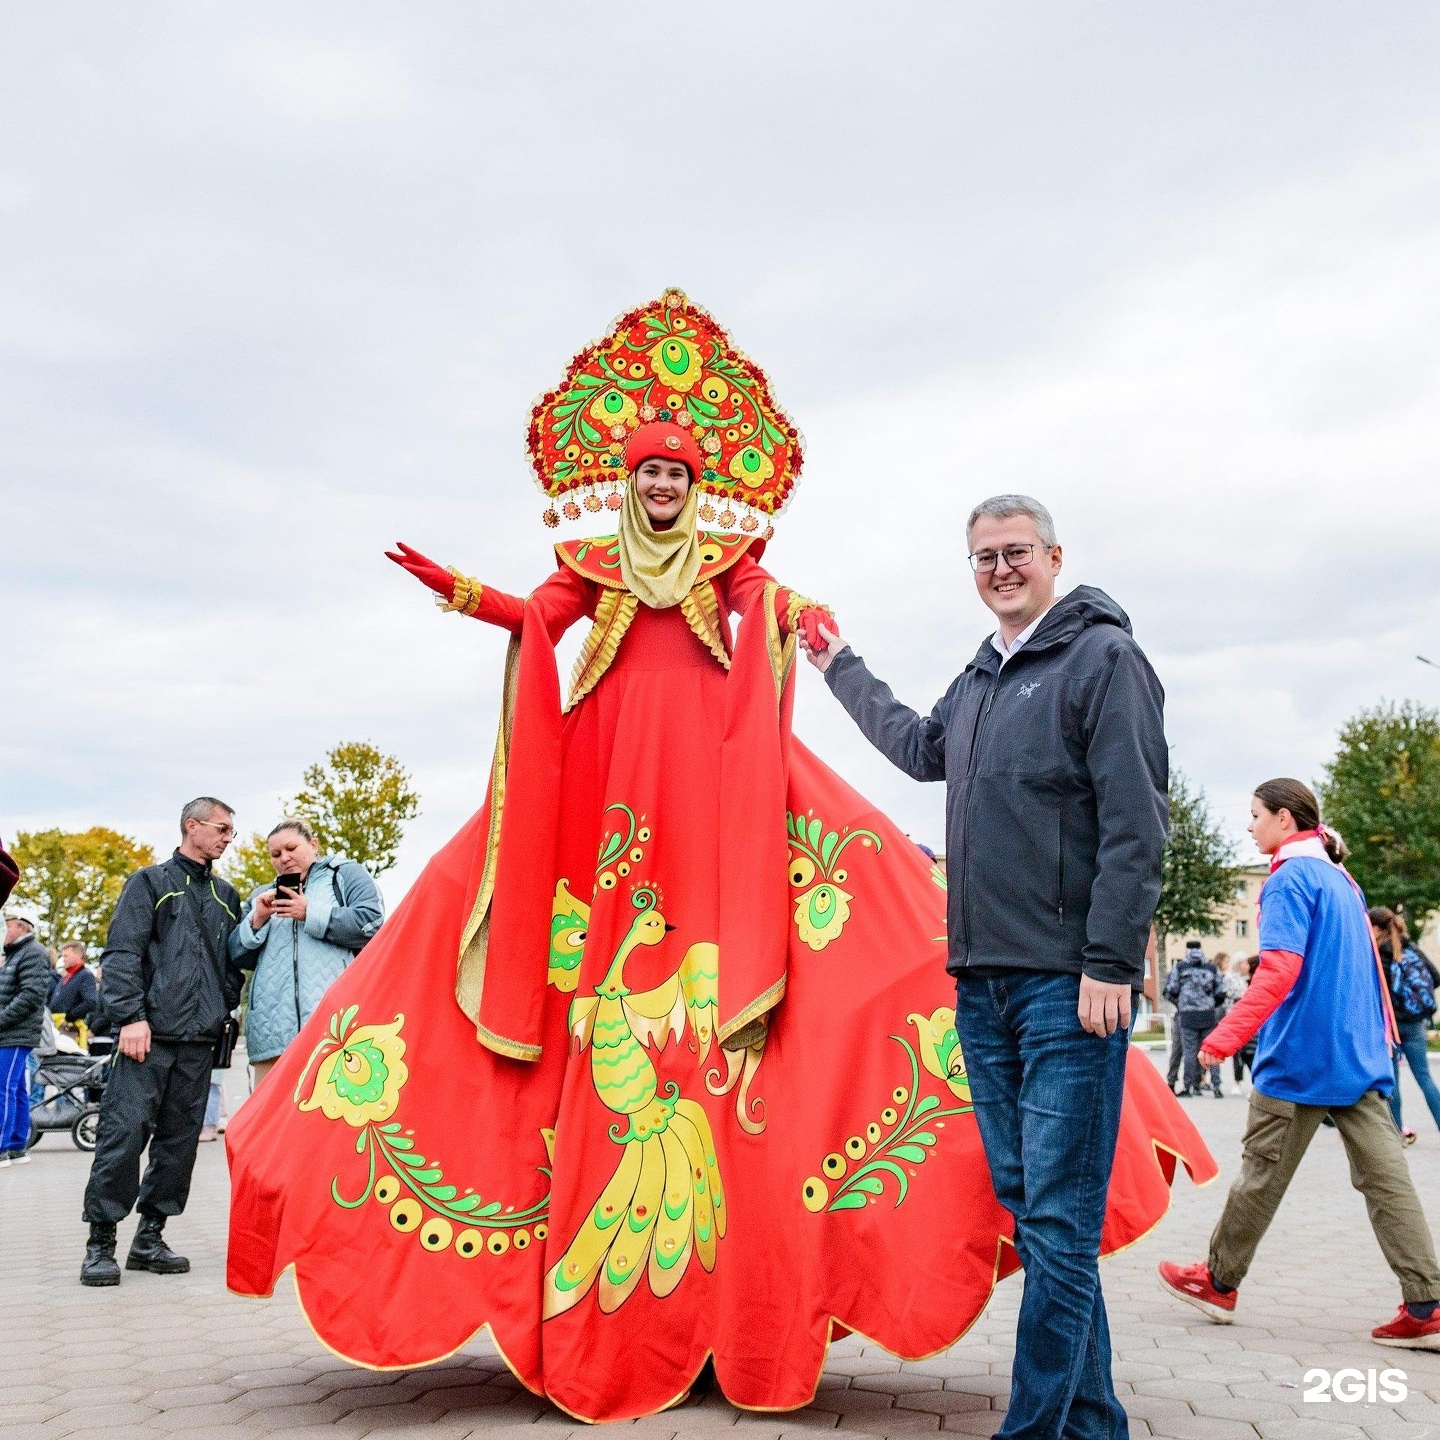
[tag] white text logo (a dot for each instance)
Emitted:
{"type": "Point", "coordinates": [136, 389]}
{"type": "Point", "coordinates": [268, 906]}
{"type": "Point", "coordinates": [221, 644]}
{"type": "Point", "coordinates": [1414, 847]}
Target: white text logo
{"type": "Point", "coordinates": [1351, 1385]}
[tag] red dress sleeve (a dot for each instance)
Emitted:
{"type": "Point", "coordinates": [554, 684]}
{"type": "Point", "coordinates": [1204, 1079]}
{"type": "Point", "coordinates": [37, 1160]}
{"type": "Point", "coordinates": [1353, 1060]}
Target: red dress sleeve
{"type": "Point", "coordinates": [745, 581]}
{"type": "Point", "coordinates": [560, 601]}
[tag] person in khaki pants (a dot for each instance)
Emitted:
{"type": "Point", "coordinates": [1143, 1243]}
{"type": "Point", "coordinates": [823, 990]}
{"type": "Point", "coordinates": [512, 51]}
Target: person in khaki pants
{"type": "Point", "coordinates": [1322, 1012]}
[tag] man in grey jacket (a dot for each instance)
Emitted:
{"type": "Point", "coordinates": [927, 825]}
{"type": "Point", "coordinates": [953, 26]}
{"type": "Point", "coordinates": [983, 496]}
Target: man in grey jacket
{"type": "Point", "coordinates": [1052, 747]}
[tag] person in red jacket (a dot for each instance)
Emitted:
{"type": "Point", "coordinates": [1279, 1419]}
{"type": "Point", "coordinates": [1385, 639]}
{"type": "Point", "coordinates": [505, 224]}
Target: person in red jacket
{"type": "Point", "coordinates": [1320, 1008]}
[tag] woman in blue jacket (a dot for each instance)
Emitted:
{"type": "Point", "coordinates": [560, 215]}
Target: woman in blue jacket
{"type": "Point", "coordinates": [1320, 1008]}
{"type": "Point", "coordinates": [299, 940]}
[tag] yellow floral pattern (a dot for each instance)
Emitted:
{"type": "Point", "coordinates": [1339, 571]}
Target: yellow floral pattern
{"type": "Point", "coordinates": [360, 1080]}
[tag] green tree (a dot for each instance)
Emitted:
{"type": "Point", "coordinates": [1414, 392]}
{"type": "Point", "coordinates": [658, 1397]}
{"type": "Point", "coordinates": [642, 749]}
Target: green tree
{"type": "Point", "coordinates": [247, 864]}
{"type": "Point", "coordinates": [1382, 793]}
{"type": "Point", "coordinates": [357, 803]}
{"type": "Point", "coordinates": [74, 878]}
{"type": "Point", "coordinates": [1200, 868]}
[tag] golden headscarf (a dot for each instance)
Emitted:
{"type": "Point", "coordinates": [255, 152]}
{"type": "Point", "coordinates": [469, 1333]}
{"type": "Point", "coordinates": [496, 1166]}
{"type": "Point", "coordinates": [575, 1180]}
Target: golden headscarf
{"type": "Point", "coordinates": [658, 566]}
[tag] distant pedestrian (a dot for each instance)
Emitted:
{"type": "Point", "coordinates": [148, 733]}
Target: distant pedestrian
{"type": "Point", "coordinates": [1321, 1009]}
{"type": "Point", "coordinates": [168, 986]}
{"type": "Point", "coordinates": [1195, 990]}
{"type": "Point", "coordinates": [1413, 981]}
{"type": "Point", "coordinates": [1237, 982]}
{"type": "Point", "coordinates": [24, 978]}
{"type": "Point", "coordinates": [299, 938]}
{"type": "Point", "coordinates": [75, 998]}
{"type": "Point", "coordinates": [216, 1110]}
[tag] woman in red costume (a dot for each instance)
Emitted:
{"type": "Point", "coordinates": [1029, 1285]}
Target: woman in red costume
{"type": "Point", "coordinates": [657, 1059]}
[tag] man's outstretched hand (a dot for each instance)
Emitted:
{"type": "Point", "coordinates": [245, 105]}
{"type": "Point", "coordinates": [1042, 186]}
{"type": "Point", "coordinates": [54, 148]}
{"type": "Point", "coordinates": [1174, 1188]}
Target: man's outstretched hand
{"type": "Point", "coordinates": [425, 570]}
{"type": "Point", "coordinates": [822, 647]}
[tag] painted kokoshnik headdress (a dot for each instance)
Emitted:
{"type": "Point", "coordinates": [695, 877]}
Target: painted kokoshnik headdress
{"type": "Point", "coordinates": [666, 362]}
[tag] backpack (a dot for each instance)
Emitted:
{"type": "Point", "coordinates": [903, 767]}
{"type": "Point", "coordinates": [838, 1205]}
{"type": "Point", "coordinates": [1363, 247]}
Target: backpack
{"type": "Point", "coordinates": [1412, 986]}
{"type": "Point", "coordinates": [340, 901]}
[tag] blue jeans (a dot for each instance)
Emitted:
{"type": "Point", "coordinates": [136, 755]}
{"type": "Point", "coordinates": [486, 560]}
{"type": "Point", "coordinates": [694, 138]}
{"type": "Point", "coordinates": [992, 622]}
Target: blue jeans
{"type": "Point", "coordinates": [1413, 1047]}
{"type": "Point", "coordinates": [1047, 1096]}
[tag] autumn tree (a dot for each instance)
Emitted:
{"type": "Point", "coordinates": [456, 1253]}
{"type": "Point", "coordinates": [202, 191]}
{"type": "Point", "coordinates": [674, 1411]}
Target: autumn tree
{"type": "Point", "coordinates": [357, 803]}
{"type": "Point", "coordinates": [1200, 868]}
{"type": "Point", "coordinates": [1382, 793]}
{"type": "Point", "coordinates": [74, 878]}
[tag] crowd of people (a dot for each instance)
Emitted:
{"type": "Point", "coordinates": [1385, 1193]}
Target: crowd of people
{"type": "Point", "coordinates": [1321, 1017]}
{"type": "Point", "coordinates": [1202, 992]}
{"type": "Point", "coordinates": [167, 998]}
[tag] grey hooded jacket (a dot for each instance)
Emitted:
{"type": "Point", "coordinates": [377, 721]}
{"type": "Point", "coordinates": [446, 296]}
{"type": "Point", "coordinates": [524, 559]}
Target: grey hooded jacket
{"type": "Point", "coordinates": [1056, 807]}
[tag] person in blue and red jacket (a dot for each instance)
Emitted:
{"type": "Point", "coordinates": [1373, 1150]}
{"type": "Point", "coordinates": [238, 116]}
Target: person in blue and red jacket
{"type": "Point", "coordinates": [1321, 1010]}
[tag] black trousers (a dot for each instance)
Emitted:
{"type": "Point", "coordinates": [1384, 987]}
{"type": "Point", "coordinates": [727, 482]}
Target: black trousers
{"type": "Point", "coordinates": [159, 1102]}
{"type": "Point", "coordinates": [1192, 1038]}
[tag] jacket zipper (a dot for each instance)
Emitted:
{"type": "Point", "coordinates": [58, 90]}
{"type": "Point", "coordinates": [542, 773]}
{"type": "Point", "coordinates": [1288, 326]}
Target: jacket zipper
{"type": "Point", "coordinates": [1061, 828]}
{"type": "Point", "coordinates": [975, 734]}
{"type": "Point", "coordinates": [295, 965]}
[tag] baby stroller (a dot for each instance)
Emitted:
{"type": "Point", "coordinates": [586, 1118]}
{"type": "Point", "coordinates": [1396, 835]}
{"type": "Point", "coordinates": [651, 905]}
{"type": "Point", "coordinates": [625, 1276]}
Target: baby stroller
{"type": "Point", "coordinates": [73, 1084]}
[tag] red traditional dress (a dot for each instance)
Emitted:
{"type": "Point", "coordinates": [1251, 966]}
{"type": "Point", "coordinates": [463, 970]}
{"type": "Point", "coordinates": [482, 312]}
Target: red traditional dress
{"type": "Point", "coordinates": [657, 1060]}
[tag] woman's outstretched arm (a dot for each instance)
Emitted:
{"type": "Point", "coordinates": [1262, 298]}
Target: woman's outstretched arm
{"type": "Point", "coordinates": [562, 599]}
{"type": "Point", "coordinates": [745, 582]}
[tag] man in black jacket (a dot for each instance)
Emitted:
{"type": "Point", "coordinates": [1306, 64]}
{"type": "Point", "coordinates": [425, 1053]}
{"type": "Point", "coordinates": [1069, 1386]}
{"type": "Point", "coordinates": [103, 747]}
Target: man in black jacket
{"type": "Point", "coordinates": [25, 972]}
{"type": "Point", "coordinates": [166, 988]}
{"type": "Point", "coordinates": [1052, 747]}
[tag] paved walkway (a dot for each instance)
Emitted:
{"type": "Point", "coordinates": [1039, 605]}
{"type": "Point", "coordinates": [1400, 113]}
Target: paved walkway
{"type": "Point", "coordinates": [163, 1357]}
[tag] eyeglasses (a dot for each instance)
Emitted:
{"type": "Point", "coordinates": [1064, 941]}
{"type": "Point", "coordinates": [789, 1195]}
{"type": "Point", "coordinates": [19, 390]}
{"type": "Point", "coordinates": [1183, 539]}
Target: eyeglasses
{"type": "Point", "coordinates": [1016, 557]}
{"type": "Point", "coordinates": [227, 830]}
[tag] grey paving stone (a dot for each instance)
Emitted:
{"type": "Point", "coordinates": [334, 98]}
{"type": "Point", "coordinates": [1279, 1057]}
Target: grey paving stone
{"type": "Point", "coordinates": [196, 1361]}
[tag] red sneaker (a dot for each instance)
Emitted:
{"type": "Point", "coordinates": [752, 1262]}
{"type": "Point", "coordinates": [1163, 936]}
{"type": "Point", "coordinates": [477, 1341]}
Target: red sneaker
{"type": "Point", "coordinates": [1193, 1285]}
{"type": "Point", "coordinates": [1405, 1332]}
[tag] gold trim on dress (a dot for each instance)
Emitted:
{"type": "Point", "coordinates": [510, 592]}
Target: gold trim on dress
{"type": "Point", "coordinates": [781, 648]}
{"type": "Point", "coordinates": [613, 614]}
{"type": "Point", "coordinates": [467, 594]}
{"type": "Point", "coordinates": [475, 938]}
{"type": "Point", "coordinates": [701, 609]}
{"type": "Point", "coordinates": [766, 1000]}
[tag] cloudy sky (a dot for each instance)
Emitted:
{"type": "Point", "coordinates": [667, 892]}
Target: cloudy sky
{"type": "Point", "coordinates": [279, 283]}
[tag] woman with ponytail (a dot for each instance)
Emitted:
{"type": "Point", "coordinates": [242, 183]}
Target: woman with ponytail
{"type": "Point", "coordinates": [1412, 980]}
{"type": "Point", "coordinates": [1319, 1006]}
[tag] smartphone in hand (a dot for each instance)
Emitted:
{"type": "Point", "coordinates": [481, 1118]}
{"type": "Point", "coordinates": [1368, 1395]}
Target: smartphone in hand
{"type": "Point", "coordinates": [289, 881]}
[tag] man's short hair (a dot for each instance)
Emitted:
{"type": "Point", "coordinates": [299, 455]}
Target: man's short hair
{"type": "Point", "coordinates": [73, 945]}
{"type": "Point", "coordinates": [1005, 507]}
{"type": "Point", "coordinates": [201, 808]}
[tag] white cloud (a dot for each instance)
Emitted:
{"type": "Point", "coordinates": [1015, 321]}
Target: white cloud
{"type": "Point", "coordinates": [314, 82]}
{"type": "Point", "coordinates": [270, 301]}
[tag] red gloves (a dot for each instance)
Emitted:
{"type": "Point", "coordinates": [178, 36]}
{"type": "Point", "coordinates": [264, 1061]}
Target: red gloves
{"type": "Point", "coordinates": [425, 570]}
{"type": "Point", "coordinates": [810, 622]}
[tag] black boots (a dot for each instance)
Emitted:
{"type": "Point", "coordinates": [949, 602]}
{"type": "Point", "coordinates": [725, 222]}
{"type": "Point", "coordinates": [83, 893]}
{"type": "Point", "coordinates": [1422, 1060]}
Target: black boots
{"type": "Point", "coordinates": [99, 1267]}
{"type": "Point", "coordinates": [148, 1250]}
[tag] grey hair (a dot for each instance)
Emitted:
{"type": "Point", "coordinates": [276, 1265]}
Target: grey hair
{"type": "Point", "coordinates": [201, 808]}
{"type": "Point", "coordinates": [73, 945]}
{"type": "Point", "coordinates": [298, 826]}
{"type": "Point", "coordinates": [1005, 507]}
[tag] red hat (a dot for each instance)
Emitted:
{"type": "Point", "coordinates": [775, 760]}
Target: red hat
{"type": "Point", "coordinates": [663, 440]}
